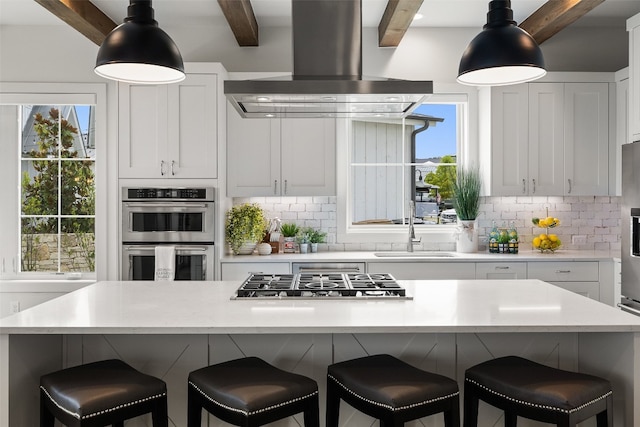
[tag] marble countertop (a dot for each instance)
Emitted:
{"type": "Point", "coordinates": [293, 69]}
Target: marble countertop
{"type": "Point", "coordinates": [453, 306]}
{"type": "Point", "coordinates": [369, 256]}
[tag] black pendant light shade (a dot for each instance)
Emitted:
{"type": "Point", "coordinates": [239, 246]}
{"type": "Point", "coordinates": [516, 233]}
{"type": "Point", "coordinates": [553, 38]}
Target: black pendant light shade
{"type": "Point", "coordinates": [502, 54]}
{"type": "Point", "coordinates": [138, 51]}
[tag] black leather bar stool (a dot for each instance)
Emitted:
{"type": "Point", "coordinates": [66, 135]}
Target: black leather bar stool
{"type": "Point", "coordinates": [250, 392]}
{"type": "Point", "coordinates": [390, 390]}
{"type": "Point", "coordinates": [523, 388]}
{"type": "Point", "coordinates": [99, 394]}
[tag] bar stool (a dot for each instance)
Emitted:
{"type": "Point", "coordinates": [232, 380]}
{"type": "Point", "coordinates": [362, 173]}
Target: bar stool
{"type": "Point", "coordinates": [250, 392]}
{"type": "Point", "coordinates": [391, 391]}
{"type": "Point", "coordinates": [527, 389]}
{"type": "Point", "coordinates": [99, 394]}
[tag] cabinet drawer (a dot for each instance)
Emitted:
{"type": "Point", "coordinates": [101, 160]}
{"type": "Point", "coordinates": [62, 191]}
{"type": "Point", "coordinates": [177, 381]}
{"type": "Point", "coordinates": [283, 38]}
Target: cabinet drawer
{"type": "Point", "coordinates": [585, 271]}
{"type": "Point", "coordinates": [587, 289]}
{"type": "Point", "coordinates": [241, 270]}
{"type": "Point", "coordinates": [425, 270]}
{"type": "Point", "coordinates": [501, 270]}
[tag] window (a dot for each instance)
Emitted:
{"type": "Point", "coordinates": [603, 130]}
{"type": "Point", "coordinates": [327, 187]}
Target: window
{"type": "Point", "coordinates": [57, 188]}
{"type": "Point", "coordinates": [390, 163]}
{"type": "Point", "coordinates": [51, 139]}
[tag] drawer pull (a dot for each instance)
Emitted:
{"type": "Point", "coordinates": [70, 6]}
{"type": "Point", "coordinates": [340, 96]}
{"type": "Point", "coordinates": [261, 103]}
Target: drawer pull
{"type": "Point", "coordinates": [502, 268]}
{"type": "Point", "coordinates": [563, 271]}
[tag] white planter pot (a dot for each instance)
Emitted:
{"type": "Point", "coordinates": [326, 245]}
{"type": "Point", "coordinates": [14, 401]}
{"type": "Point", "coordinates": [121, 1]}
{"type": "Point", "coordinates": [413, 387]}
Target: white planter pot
{"type": "Point", "coordinates": [314, 247]}
{"type": "Point", "coordinates": [304, 248]}
{"type": "Point", "coordinates": [247, 248]}
{"type": "Point", "coordinates": [467, 236]}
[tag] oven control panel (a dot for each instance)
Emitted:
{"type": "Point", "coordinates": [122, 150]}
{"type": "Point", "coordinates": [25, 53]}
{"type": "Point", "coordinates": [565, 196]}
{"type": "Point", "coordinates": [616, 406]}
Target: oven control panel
{"type": "Point", "coordinates": [204, 194]}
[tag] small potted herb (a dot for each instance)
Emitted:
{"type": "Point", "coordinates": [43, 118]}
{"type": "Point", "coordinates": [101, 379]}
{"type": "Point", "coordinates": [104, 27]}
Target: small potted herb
{"type": "Point", "coordinates": [315, 237]}
{"type": "Point", "coordinates": [302, 239]}
{"type": "Point", "coordinates": [466, 202]}
{"type": "Point", "coordinates": [244, 227]}
{"type": "Point", "coordinates": [289, 231]}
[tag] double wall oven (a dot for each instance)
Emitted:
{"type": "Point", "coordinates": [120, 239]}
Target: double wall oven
{"type": "Point", "coordinates": [180, 217]}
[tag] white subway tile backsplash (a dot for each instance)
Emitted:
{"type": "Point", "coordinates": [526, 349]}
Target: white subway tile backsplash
{"type": "Point", "coordinates": [597, 218]}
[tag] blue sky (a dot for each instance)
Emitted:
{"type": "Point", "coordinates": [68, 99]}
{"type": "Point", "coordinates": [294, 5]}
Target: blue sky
{"type": "Point", "coordinates": [83, 117]}
{"type": "Point", "coordinates": [439, 140]}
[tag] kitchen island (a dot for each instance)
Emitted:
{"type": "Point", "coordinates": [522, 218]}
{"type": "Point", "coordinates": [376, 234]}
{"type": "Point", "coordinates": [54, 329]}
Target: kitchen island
{"type": "Point", "coordinates": [168, 329]}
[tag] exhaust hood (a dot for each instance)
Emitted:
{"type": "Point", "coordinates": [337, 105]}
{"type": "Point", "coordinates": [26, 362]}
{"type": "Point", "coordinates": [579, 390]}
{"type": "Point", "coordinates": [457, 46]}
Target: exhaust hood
{"type": "Point", "coordinates": [327, 72]}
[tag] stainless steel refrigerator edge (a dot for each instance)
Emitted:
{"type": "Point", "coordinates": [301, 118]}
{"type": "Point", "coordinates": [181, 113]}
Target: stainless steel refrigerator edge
{"type": "Point", "coordinates": [631, 228]}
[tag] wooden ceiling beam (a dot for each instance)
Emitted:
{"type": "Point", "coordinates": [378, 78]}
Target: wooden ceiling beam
{"type": "Point", "coordinates": [554, 16]}
{"type": "Point", "coordinates": [396, 19]}
{"type": "Point", "coordinates": [82, 15]}
{"type": "Point", "coordinates": [241, 19]}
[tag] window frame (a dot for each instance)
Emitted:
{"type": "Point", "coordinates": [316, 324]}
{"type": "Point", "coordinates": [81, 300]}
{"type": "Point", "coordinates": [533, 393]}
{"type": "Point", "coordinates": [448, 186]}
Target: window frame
{"type": "Point", "coordinates": [52, 94]}
{"type": "Point", "coordinates": [397, 234]}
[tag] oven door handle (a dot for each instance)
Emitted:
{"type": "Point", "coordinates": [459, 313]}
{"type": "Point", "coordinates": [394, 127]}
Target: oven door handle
{"type": "Point", "coordinates": [165, 205]}
{"type": "Point", "coordinates": [330, 270]}
{"type": "Point", "coordinates": [178, 248]}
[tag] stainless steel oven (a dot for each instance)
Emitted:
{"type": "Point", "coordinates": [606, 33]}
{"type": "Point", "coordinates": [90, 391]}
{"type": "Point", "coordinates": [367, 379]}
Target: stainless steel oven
{"type": "Point", "coordinates": [193, 262]}
{"type": "Point", "coordinates": [168, 215]}
{"type": "Point", "coordinates": [183, 218]}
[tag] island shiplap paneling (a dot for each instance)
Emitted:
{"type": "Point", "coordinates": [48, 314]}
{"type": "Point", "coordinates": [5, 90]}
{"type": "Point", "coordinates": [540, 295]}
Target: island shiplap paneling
{"type": "Point", "coordinates": [169, 357]}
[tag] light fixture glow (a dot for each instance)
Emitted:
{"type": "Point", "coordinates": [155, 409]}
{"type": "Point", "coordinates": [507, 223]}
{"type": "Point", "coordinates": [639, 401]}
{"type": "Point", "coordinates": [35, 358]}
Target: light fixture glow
{"type": "Point", "coordinates": [138, 51]}
{"type": "Point", "coordinates": [418, 16]}
{"type": "Point", "coordinates": [502, 54]}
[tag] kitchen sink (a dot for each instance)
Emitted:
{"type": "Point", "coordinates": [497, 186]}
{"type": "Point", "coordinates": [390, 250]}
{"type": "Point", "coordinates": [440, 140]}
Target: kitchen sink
{"type": "Point", "coordinates": [418, 254]}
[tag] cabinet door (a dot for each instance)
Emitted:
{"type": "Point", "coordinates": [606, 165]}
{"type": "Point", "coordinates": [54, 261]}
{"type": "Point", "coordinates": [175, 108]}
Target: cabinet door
{"type": "Point", "coordinates": [501, 270]}
{"type": "Point", "coordinates": [425, 270]}
{"type": "Point", "coordinates": [192, 127]}
{"type": "Point", "coordinates": [586, 139]}
{"type": "Point", "coordinates": [633, 26]}
{"type": "Point", "coordinates": [509, 140]}
{"type": "Point", "coordinates": [142, 136]}
{"type": "Point", "coordinates": [253, 150]}
{"type": "Point", "coordinates": [546, 139]}
{"type": "Point", "coordinates": [587, 289]}
{"type": "Point", "coordinates": [308, 153]}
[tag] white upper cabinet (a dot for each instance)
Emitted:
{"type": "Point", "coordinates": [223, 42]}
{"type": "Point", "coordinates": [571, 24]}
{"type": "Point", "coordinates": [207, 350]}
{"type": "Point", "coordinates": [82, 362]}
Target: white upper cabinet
{"type": "Point", "coordinates": [169, 131]}
{"type": "Point", "coordinates": [633, 26]}
{"type": "Point", "coordinates": [549, 139]}
{"type": "Point", "coordinates": [280, 157]}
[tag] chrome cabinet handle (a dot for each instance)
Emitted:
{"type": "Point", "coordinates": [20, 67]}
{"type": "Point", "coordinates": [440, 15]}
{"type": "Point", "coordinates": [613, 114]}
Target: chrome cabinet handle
{"type": "Point", "coordinates": [162, 167]}
{"type": "Point", "coordinates": [502, 268]}
{"type": "Point", "coordinates": [563, 271]}
{"type": "Point", "coordinates": [534, 186]}
{"type": "Point", "coordinates": [172, 163]}
{"type": "Point", "coordinates": [285, 186]}
{"type": "Point", "coordinates": [569, 180]}
{"type": "Point", "coordinates": [275, 186]}
{"type": "Point", "coordinates": [524, 186]}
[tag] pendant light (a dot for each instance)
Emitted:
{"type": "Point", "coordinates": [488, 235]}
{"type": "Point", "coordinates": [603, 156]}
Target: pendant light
{"type": "Point", "coordinates": [138, 51]}
{"type": "Point", "coordinates": [502, 54]}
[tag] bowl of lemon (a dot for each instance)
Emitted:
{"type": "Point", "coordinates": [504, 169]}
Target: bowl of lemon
{"type": "Point", "coordinates": [546, 242]}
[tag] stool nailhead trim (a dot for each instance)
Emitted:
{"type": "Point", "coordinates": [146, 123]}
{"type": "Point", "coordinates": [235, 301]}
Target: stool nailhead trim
{"type": "Point", "coordinates": [391, 408]}
{"type": "Point", "coordinates": [246, 413]}
{"type": "Point", "coordinates": [104, 411]}
{"type": "Point", "coordinates": [536, 405]}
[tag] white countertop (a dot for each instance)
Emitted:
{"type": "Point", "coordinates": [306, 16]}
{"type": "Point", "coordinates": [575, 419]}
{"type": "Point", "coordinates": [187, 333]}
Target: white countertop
{"type": "Point", "coordinates": [454, 306]}
{"type": "Point", "coordinates": [369, 256]}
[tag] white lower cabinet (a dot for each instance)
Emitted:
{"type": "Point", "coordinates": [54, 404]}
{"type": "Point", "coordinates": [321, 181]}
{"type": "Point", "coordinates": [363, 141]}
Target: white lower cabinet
{"type": "Point", "coordinates": [581, 277]}
{"type": "Point", "coordinates": [501, 270]}
{"type": "Point", "coordinates": [421, 270]}
{"type": "Point", "coordinates": [242, 270]}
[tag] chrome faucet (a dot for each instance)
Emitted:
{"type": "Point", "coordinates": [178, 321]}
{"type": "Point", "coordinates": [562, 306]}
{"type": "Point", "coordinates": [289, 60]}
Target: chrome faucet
{"type": "Point", "coordinates": [412, 231]}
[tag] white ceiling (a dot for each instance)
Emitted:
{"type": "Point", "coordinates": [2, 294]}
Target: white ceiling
{"type": "Point", "coordinates": [437, 13]}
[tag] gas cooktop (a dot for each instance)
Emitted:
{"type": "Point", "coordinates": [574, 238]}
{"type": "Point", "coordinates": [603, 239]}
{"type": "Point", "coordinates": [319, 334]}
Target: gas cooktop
{"type": "Point", "coordinates": [321, 285]}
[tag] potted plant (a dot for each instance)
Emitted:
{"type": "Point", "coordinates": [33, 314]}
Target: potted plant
{"type": "Point", "coordinates": [302, 239]}
{"type": "Point", "coordinates": [244, 227]}
{"type": "Point", "coordinates": [466, 202]}
{"type": "Point", "coordinates": [315, 237]}
{"type": "Point", "coordinates": [289, 231]}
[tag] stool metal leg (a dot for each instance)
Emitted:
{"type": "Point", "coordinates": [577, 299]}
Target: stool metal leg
{"type": "Point", "coordinates": [46, 417]}
{"type": "Point", "coordinates": [333, 404]}
{"type": "Point", "coordinates": [470, 406]}
{"type": "Point", "coordinates": [194, 409]}
{"type": "Point", "coordinates": [312, 412]}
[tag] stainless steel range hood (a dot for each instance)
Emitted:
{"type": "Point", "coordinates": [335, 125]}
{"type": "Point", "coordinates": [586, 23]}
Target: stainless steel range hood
{"type": "Point", "coordinates": [327, 72]}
